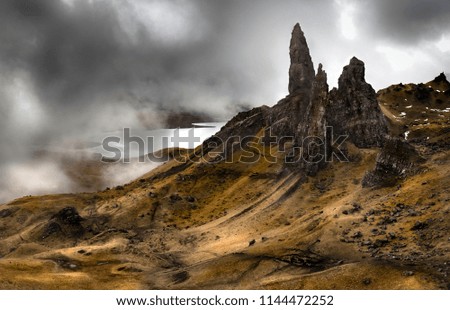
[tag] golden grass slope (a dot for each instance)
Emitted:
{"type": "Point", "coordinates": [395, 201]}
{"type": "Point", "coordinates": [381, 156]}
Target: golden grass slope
{"type": "Point", "coordinates": [205, 224]}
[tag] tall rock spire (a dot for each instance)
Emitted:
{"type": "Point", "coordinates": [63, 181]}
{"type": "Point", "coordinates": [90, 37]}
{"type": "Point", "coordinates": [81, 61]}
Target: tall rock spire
{"type": "Point", "coordinates": [301, 71]}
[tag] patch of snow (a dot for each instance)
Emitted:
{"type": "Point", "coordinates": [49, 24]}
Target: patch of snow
{"type": "Point", "coordinates": [402, 114]}
{"type": "Point", "coordinates": [447, 110]}
{"type": "Point", "coordinates": [409, 107]}
{"type": "Point", "coordinates": [406, 135]}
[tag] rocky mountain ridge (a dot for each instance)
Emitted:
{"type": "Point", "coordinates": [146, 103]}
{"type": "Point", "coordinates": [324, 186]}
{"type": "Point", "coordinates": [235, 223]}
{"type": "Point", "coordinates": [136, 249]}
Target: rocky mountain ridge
{"type": "Point", "coordinates": [351, 110]}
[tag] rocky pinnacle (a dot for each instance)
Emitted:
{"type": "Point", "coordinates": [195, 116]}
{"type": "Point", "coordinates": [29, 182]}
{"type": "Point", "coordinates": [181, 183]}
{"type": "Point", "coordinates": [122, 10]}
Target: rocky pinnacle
{"type": "Point", "coordinates": [301, 71]}
{"type": "Point", "coordinates": [353, 108]}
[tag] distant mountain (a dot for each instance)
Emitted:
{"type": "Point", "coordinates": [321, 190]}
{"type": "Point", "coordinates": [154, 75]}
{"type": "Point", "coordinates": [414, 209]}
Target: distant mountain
{"type": "Point", "coordinates": [340, 189]}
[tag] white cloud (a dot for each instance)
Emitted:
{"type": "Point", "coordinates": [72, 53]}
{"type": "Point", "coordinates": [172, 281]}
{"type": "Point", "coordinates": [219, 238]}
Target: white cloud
{"type": "Point", "coordinates": [346, 19]}
{"type": "Point", "coordinates": [170, 22]}
{"type": "Point", "coordinates": [444, 44]}
{"type": "Point", "coordinates": [33, 178]}
{"type": "Point", "coordinates": [401, 59]}
{"type": "Point", "coordinates": [27, 112]}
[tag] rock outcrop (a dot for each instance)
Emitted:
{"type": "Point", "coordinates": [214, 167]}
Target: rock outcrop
{"type": "Point", "coordinates": [397, 160]}
{"type": "Point", "coordinates": [353, 109]}
{"type": "Point", "coordinates": [309, 108]}
{"type": "Point", "coordinates": [245, 123]}
{"type": "Point", "coordinates": [64, 224]}
{"type": "Point", "coordinates": [312, 128]}
{"type": "Point", "coordinates": [441, 78]}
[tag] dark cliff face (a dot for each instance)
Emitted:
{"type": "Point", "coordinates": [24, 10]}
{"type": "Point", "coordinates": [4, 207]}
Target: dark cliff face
{"type": "Point", "coordinates": [310, 108]}
{"type": "Point", "coordinates": [353, 108]}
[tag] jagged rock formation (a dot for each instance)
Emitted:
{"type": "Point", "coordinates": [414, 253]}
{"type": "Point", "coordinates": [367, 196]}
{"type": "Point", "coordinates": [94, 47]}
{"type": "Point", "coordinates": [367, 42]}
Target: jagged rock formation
{"type": "Point", "coordinates": [316, 108]}
{"type": "Point", "coordinates": [314, 124]}
{"type": "Point", "coordinates": [354, 110]}
{"type": "Point", "coordinates": [396, 160]}
{"type": "Point", "coordinates": [304, 114]}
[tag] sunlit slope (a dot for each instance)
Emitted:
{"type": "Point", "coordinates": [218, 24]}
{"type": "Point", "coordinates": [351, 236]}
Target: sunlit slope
{"type": "Point", "coordinates": [202, 224]}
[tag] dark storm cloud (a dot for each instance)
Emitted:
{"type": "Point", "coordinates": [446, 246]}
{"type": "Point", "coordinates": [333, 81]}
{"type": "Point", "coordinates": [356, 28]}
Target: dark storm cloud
{"type": "Point", "coordinates": [405, 21]}
{"type": "Point", "coordinates": [84, 54]}
{"type": "Point", "coordinates": [73, 54]}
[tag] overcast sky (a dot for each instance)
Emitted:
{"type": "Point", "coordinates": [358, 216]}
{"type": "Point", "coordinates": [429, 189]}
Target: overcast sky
{"type": "Point", "coordinates": [70, 67]}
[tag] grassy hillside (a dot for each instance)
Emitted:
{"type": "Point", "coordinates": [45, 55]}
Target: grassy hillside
{"type": "Point", "coordinates": [215, 225]}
